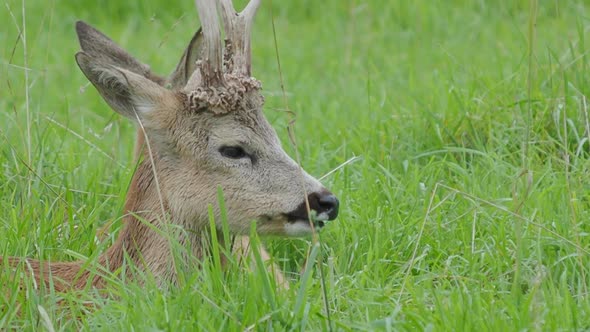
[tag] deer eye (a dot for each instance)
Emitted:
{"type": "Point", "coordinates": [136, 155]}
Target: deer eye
{"type": "Point", "coordinates": [233, 152]}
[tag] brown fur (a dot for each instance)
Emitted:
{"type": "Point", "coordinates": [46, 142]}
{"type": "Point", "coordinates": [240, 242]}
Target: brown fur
{"type": "Point", "coordinates": [182, 131]}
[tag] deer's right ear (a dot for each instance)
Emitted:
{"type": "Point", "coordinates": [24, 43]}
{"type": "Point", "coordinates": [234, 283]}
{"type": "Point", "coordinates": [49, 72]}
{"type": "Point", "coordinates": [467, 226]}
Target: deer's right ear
{"type": "Point", "coordinates": [128, 93]}
{"type": "Point", "coordinates": [188, 62]}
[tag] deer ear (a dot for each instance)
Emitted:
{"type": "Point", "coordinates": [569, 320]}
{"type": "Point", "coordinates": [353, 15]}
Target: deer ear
{"type": "Point", "coordinates": [128, 93]}
{"type": "Point", "coordinates": [188, 62]}
{"type": "Point", "coordinates": [99, 46]}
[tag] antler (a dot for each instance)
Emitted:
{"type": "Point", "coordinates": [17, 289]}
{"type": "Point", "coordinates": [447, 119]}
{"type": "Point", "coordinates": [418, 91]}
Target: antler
{"type": "Point", "coordinates": [221, 81]}
{"type": "Point", "coordinates": [238, 27]}
{"type": "Point", "coordinates": [211, 73]}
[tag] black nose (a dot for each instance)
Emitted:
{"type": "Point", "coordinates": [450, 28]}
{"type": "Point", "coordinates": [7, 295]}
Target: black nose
{"type": "Point", "coordinates": [324, 203]}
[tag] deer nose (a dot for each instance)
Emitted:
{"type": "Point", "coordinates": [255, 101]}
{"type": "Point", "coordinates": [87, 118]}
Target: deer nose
{"type": "Point", "coordinates": [325, 204]}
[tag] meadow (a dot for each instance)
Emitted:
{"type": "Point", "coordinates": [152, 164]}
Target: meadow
{"type": "Point", "coordinates": [455, 133]}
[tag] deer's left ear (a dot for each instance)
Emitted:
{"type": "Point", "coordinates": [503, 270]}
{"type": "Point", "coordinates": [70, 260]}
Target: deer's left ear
{"type": "Point", "coordinates": [128, 93]}
{"type": "Point", "coordinates": [99, 46]}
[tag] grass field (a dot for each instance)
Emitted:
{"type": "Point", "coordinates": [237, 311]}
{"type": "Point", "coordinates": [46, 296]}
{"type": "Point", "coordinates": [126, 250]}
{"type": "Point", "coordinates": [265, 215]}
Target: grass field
{"type": "Point", "coordinates": [467, 208]}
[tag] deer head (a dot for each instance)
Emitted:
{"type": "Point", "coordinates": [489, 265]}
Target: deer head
{"type": "Point", "coordinates": [205, 129]}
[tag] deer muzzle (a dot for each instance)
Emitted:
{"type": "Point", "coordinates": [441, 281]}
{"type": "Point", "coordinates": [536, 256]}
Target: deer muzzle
{"type": "Point", "coordinates": [323, 207]}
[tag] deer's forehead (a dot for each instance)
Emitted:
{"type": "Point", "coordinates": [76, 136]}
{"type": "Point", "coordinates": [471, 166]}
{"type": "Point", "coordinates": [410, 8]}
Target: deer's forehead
{"type": "Point", "coordinates": [236, 127]}
{"type": "Point", "coordinates": [243, 126]}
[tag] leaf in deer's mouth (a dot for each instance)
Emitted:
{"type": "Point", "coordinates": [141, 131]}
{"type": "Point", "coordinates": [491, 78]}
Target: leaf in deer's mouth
{"type": "Point", "coordinates": [319, 220]}
{"type": "Point", "coordinates": [317, 224]}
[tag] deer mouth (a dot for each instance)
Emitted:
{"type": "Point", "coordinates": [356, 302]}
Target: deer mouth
{"type": "Point", "coordinates": [319, 208]}
{"type": "Point", "coordinates": [317, 220]}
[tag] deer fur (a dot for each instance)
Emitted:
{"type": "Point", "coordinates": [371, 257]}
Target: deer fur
{"type": "Point", "coordinates": [199, 129]}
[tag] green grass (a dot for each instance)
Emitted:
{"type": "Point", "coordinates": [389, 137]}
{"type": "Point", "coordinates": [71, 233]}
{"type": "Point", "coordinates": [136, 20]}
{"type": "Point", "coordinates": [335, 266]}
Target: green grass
{"type": "Point", "coordinates": [467, 210]}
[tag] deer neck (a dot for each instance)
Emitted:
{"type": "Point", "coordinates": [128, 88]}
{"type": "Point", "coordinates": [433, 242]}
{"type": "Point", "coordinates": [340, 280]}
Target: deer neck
{"type": "Point", "coordinates": [150, 229]}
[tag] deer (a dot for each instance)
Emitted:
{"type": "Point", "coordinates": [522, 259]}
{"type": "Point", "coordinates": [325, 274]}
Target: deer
{"type": "Point", "coordinates": [199, 130]}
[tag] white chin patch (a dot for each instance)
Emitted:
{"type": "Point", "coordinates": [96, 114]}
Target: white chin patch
{"type": "Point", "coordinates": [298, 228]}
{"type": "Point", "coordinates": [322, 216]}
{"type": "Point", "coordinates": [303, 228]}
